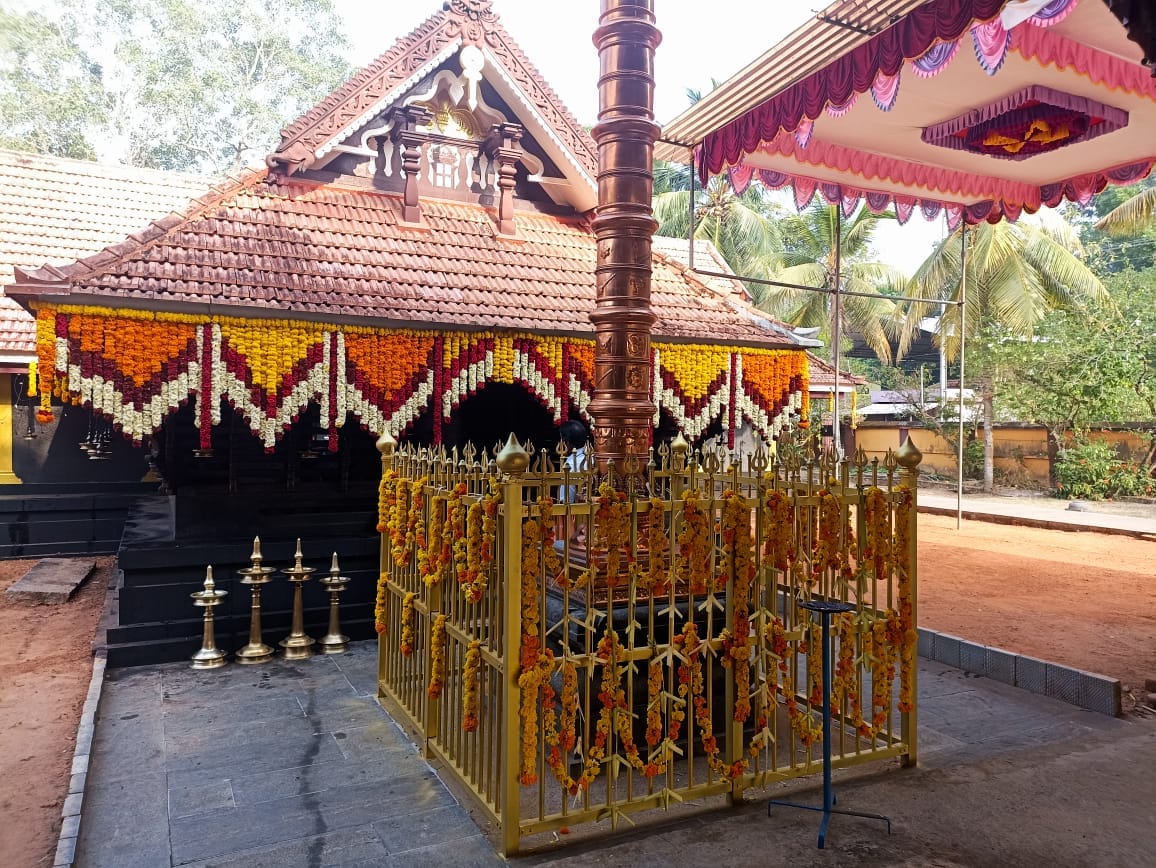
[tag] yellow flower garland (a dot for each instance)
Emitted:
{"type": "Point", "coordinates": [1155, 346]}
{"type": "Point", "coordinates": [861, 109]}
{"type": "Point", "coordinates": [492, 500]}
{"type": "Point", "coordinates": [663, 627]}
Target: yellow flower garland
{"type": "Point", "coordinates": [808, 730]}
{"type": "Point", "coordinates": [437, 668]}
{"type": "Point", "coordinates": [473, 668]}
{"type": "Point", "coordinates": [738, 562]}
{"type": "Point", "coordinates": [877, 537]}
{"type": "Point", "coordinates": [407, 634]}
{"type": "Point", "coordinates": [905, 627]}
{"type": "Point", "coordinates": [430, 562]}
{"type": "Point", "coordinates": [694, 546]}
{"type": "Point", "coordinates": [657, 577]}
{"type": "Point", "coordinates": [380, 605]}
{"type": "Point", "coordinates": [561, 740]}
{"type": "Point", "coordinates": [481, 537]}
{"type": "Point", "coordinates": [611, 534]}
{"type": "Point", "coordinates": [779, 529]}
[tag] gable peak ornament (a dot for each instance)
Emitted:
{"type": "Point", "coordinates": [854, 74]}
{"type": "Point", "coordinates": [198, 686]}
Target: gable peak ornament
{"type": "Point", "coordinates": [472, 17]}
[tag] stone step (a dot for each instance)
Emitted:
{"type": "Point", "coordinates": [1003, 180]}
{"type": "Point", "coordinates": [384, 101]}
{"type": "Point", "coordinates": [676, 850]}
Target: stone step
{"type": "Point", "coordinates": [51, 580]}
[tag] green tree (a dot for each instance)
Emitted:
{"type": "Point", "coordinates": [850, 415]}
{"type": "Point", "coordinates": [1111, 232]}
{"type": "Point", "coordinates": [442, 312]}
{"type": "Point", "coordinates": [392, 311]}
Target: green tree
{"type": "Point", "coordinates": [743, 229]}
{"type": "Point", "coordinates": [1016, 273]}
{"type": "Point", "coordinates": [53, 98]}
{"type": "Point", "coordinates": [179, 84]}
{"type": "Point", "coordinates": [807, 257]}
{"type": "Point", "coordinates": [227, 74]}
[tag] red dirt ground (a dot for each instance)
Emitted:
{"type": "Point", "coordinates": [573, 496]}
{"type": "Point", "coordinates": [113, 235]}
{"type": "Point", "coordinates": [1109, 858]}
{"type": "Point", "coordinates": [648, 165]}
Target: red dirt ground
{"type": "Point", "coordinates": [1083, 599]}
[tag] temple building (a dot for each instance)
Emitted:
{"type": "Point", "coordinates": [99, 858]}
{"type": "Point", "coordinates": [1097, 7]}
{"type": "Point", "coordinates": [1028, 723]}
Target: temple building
{"type": "Point", "coordinates": [417, 257]}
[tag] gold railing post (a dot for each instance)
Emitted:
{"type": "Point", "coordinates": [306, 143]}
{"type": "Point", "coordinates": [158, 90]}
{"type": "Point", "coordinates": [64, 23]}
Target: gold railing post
{"type": "Point", "coordinates": [433, 705]}
{"type": "Point", "coordinates": [512, 461]}
{"type": "Point", "coordinates": [386, 445]}
{"type": "Point", "coordinates": [908, 457]}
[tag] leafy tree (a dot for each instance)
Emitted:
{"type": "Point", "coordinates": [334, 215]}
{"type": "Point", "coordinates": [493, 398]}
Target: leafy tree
{"type": "Point", "coordinates": [181, 84]}
{"type": "Point", "coordinates": [743, 229]}
{"type": "Point", "coordinates": [52, 92]}
{"type": "Point", "coordinates": [1016, 273]}
{"type": "Point", "coordinates": [1117, 229]}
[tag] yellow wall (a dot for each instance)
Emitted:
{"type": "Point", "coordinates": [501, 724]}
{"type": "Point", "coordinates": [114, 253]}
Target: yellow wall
{"type": "Point", "coordinates": [1019, 450]}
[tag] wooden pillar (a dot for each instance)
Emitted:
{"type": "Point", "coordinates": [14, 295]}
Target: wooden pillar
{"type": "Point", "coordinates": [503, 146]}
{"type": "Point", "coordinates": [407, 134]}
{"type": "Point", "coordinates": [623, 225]}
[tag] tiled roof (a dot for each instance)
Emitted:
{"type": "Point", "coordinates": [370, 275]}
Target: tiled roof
{"type": "Point", "coordinates": [823, 375]}
{"type": "Point", "coordinates": [472, 21]}
{"type": "Point", "coordinates": [326, 251]}
{"type": "Point", "coordinates": [55, 210]}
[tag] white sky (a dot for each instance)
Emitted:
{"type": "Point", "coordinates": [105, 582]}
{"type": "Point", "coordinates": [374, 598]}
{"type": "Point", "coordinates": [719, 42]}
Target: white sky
{"type": "Point", "coordinates": [700, 41]}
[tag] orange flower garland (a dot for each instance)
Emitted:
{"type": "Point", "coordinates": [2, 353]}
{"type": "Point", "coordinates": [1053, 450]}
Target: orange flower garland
{"type": "Point", "coordinates": [611, 533]}
{"type": "Point", "coordinates": [386, 498]}
{"type": "Point", "coordinates": [437, 668]}
{"type": "Point", "coordinates": [561, 740]}
{"type": "Point", "coordinates": [694, 545]}
{"type": "Point", "coordinates": [828, 547]}
{"type": "Point", "coordinates": [534, 664]}
{"type": "Point", "coordinates": [430, 559]}
{"type": "Point", "coordinates": [473, 668]}
{"type": "Point", "coordinates": [481, 536]}
{"type": "Point", "coordinates": [661, 747]}
{"type": "Point", "coordinates": [738, 562]}
{"type": "Point", "coordinates": [656, 578]}
{"type": "Point", "coordinates": [691, 686]}
{"type": "Point", "coordinates": [802, 723]}
{"type": "Point", "coordinates": [415, 520]}
{"type": "Point", "coordinates": [379, 606]}
{"type": "Point", "coordinates": [407, 634]}
{"type": "Point", "coordinates": [877, 537]}
{"type": "Point", "coordinates": [905, 627]}
{"type": "Point", "coordinates": [615, 715]}
{"type": "Point", "coordinates": [398, 522]}
{"type": "Point", "coordinates": [779, 529]}
{"type": "Point", "coordinates": [551, 562]}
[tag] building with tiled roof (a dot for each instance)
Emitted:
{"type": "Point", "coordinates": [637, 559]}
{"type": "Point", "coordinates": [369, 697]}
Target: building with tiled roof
{"type": "Point", "coordinates": [420, 240]}
{"type": "Point", "coordinates": [55, 210]}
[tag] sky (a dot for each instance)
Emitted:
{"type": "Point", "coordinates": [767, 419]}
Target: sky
{"type": "Point", "coordinates": [700, 42]}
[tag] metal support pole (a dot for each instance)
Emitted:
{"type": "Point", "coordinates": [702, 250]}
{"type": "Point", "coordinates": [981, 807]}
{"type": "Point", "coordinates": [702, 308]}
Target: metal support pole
{"type": "Point", "coordinates": [836, 331]}
{"type": "Point", "coordinates": [962, 345]}
{"type": "Point", "coordinates": [825, 609]}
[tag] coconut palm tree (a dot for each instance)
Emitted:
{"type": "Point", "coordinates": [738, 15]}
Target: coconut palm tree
{"type": "Point", "coordinates": [1130, 216]}
{"type": "Point", "coordinates": [807, 257]}
{"type": "Point", "coordinates": [743, 228]}
{"type": "Point", "coordinates": [1016, 272]}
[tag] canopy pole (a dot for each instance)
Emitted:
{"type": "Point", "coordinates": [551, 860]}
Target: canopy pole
{"type": "Point", "coordinates": [962, 345]}
{"type": "Point", "coordinates": [836, 330]}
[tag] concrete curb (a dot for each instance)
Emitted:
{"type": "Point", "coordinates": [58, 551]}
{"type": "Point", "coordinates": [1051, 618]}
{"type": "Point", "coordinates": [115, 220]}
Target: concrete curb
{"type": "Point", "coordinates": [70, 826]}
{"type": "Point", "coordinates": [1087, 690]}
{"type": "Point", "coordinates": [1042, 523]}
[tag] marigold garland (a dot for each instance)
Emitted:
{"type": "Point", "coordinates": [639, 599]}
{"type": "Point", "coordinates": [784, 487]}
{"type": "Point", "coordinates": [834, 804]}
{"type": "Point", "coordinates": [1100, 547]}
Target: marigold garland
{"type": "Point", "coordinates": [534, 663]}
{"type": "Point", "coordinates": [738, 563]}
{"type": "Point", "coordinates": [779, 529]}
{"type": "Point", "coordinates": [877, 533]}
{"type": "Point", "coordinates": [611, 535]}
{"type": "Point", "coordinates": [692, 688]}
{"type": "Point", "coordinates": [470, 679]}
{"type": "Point", "coordinates": [615, 714]}
{"type": "Point", "coordinates": [432, 558]}
{"type": "Point", "coordinates": [560, 740]}
{"type": "Point", "coordinates": [376, 373]}
{"type": "Point", "coordinates": [379, 606]}
{"type": "Point", "coordinates": [551, 562]}
{"type": "Point", "coordinates": [481, 535]}
{"type": "Point", "coordinates": [656, 578]}
{"type": "Point", "coordinates": [407, 635]}
{"type": "Point", "coordinates": [905, 626]}
{"type": "Point", "coordinates": [386, 498]}
{"type": "Point", "coordinates": [694, 546]}
{"type": "Point", "coordinates": [398, 522]}
{"type": "Point", "coordinates": [807, 729]}
{"type": "Point", "coordinates": [661, 747]}
{"type": "Point", "coordinates": [437, 667]}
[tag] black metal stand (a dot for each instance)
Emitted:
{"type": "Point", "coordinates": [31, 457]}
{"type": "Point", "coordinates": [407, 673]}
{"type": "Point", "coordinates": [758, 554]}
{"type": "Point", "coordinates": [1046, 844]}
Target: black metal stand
{"type": "Point", "coordinates": [826, 608]}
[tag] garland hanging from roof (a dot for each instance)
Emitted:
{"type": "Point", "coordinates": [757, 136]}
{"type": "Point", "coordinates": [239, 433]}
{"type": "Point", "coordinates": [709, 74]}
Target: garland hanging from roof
{"type": "Point", "coordinates": [137, 367]}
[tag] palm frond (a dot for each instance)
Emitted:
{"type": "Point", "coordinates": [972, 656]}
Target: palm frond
{"type": "Point", "coordinates": [1130, 216]}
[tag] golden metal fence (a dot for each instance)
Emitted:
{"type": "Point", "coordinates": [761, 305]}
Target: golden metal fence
{"type": "Point", "coordinates": [579, 646]}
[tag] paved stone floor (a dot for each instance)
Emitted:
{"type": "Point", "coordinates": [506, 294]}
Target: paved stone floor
{"type": "Point", "coordinates": [294, 764]}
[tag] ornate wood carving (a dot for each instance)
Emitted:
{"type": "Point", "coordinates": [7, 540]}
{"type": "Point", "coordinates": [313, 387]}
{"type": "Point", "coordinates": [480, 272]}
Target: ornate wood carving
{"type": "Point", "coordinates": [411, 139]}
{"type": "Point", "coordinates": [503, 146]}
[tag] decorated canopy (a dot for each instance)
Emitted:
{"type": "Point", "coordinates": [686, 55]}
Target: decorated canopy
{"type": "Point", "coordinates": [979, 109]}
{"type": "Point", "coordinates": [421, 234]}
